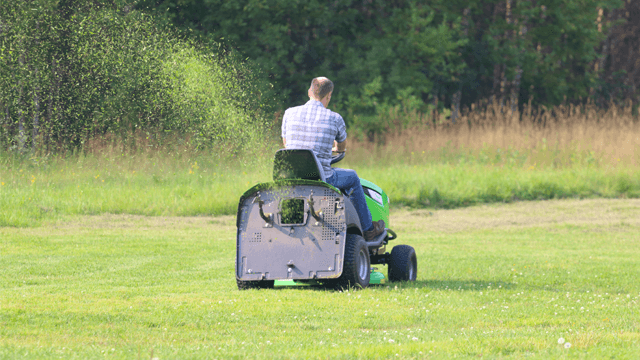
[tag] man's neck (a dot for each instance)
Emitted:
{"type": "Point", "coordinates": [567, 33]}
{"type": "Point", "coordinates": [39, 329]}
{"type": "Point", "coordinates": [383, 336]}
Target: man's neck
{"type": "Point", "coordinates": [324, 102]}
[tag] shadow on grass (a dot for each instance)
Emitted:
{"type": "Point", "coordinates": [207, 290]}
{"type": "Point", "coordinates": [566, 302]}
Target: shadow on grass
{"type": "Point", "coordinates": [455, 285]}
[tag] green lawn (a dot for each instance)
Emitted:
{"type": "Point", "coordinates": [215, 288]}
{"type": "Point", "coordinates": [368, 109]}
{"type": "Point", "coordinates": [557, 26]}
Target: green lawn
{"type": "Point", "coordinates": [493, 281]}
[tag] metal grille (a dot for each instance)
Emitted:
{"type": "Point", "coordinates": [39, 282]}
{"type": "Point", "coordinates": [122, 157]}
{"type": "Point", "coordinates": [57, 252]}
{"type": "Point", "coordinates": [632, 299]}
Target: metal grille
{"type": "Point", "coordinates": [331, 222]}
{"type": "Point", "coordinates": [255, 237]}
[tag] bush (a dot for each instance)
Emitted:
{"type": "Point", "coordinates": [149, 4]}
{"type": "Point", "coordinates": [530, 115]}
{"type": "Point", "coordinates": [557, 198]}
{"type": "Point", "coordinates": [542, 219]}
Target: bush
{"type": "Point", "coordinates": [72, 73]}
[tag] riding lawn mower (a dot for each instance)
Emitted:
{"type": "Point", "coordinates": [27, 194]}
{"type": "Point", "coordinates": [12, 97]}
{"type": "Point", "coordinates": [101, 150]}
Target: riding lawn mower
{"type": "Point", "coordinates": [300, 230]}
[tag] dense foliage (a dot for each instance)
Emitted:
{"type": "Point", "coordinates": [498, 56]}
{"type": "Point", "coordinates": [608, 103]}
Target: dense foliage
{"type": "Point", "coordinates": [420, 55]}
{"type": "Point", "coordinates": [72, 70]}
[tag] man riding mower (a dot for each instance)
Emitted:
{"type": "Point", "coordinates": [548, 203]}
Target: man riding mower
{"type": "Point", "coordinates": [315, 223]}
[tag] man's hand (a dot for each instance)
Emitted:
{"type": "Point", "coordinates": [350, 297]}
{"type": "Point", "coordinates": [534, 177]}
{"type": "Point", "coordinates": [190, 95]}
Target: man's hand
{"type": "Point", "coordinates": [339, 147]}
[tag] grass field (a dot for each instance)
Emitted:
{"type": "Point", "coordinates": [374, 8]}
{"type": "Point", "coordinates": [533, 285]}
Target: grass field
{"type": "Point", "coordinates": [488, 156]}
{"type": "Point", "coordinates": [505, 280]}
{"type": "Point", "coordinates": [35, 190]}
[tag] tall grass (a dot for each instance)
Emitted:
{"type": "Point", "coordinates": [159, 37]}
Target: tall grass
{"type": "Point", "coordinates": [561, 136]}
{"type": "Point", "coordinates": [486, 157]}
{"type": "Point", "coordinates": [492, 154]}
{"type": "Point", "coordinates": [152, 182]}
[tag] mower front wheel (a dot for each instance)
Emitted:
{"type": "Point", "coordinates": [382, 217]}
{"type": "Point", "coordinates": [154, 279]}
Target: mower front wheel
{"type": "Point", "coordinates": [403, 264]}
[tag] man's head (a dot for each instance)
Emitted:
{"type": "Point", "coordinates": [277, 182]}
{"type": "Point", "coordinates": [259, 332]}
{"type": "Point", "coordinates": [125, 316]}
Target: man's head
{"type": "Point", "coordinates": [320, 90]}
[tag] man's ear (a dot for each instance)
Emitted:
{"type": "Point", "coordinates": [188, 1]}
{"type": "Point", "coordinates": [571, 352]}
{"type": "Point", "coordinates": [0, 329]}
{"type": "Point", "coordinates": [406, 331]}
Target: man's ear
{"type": "Point", "coordinates": [310, 93]}
{"type": "Point", "coordinates": [328, 97]}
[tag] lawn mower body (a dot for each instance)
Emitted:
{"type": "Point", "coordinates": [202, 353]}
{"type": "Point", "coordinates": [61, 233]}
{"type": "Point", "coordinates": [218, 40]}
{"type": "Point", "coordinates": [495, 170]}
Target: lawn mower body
{"type": "Point", "coordinates": [300, 229]}
{"type": "Point", "coordinates": [291, 243]}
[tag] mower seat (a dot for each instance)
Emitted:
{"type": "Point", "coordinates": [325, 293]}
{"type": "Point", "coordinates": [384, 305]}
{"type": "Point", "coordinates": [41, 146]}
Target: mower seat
{"type": "Point", "coordinates": [297, 164]}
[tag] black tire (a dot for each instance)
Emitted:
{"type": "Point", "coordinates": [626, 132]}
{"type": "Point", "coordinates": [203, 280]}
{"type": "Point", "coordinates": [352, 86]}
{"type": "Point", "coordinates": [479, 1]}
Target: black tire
{"type": "Point", "coordinates": [261, 284]}
{"type": "Point", "coordinates": [356, 271]}
{"type": "Point", "coordinates": [403, 264]}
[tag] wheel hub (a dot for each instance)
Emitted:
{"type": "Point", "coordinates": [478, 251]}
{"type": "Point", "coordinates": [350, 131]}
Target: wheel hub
{"type": "Point", "coordinates": [362, 265]}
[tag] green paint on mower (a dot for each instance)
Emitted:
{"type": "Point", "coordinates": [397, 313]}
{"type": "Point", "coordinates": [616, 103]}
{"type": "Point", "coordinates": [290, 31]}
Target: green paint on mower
{"type": "Point", "coordinates": [376, 278]}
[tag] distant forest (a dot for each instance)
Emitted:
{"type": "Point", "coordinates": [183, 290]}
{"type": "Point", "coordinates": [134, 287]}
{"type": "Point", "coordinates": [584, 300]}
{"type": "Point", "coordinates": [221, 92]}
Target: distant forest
{"type": "Point", "coordinates": [211, 70]}
{"type": "Point", "coordinates": [438, 53]}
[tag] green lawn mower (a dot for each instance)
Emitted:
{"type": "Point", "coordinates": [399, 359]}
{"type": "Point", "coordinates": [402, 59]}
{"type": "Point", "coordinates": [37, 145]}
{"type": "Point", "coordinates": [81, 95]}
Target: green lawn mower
{"type": "Point", "coordinates": [298, 229]}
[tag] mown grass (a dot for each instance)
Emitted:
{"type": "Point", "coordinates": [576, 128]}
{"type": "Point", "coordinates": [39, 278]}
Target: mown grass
{"type": "Point", "coordinates": [494, 281]}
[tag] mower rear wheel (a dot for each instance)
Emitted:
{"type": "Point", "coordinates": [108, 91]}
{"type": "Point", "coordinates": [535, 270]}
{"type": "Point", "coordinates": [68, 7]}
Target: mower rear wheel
{"type": "Point", "coordinates": [261, 284]}
{"type": "Point", "coordinates": [403, 264]}
{"type": "Point", "coordinates": [356, 271]}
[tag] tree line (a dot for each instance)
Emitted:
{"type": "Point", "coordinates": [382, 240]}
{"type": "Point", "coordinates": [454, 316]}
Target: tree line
{"type": "Point", "coordinates": [424, 55]}
{"type": "Point", "coordinates": [210, 70]}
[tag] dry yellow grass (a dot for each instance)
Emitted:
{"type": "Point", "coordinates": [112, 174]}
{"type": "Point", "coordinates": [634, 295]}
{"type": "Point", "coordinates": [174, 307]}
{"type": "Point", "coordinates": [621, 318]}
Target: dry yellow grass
{"type": "Point", "coordinates": [559, 136]}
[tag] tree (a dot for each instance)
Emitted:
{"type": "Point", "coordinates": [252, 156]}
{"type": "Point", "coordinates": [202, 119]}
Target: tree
{"type": "Point", "coordinates": [103, 68]}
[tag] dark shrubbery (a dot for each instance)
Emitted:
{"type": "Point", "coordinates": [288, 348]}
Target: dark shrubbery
{"type": "Point", "coordinates": [428, 56]}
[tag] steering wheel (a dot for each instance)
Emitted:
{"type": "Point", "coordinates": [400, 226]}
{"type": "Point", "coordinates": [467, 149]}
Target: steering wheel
{"type": "Point", "coordinates": [336, 158]}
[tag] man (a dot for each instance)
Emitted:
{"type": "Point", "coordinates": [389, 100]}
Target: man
{"type": "Point", "coordinates": [313, 126]}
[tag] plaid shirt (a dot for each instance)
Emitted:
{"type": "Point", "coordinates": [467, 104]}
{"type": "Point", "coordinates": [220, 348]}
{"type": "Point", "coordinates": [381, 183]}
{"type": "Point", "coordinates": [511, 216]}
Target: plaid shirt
{"type": "Point", "coordinates": [311, 126]}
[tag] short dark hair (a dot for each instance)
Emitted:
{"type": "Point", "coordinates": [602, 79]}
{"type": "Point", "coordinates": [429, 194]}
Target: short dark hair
{"type": "Point", "coordinates": [321, 87]}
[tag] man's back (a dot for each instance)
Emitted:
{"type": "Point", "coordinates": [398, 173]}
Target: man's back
{"type": "Point", "coordinates": [312, 126]}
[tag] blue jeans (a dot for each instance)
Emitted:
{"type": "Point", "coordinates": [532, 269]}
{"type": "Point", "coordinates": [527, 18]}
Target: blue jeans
{"type": "Point", "coordinates": [348, 180]}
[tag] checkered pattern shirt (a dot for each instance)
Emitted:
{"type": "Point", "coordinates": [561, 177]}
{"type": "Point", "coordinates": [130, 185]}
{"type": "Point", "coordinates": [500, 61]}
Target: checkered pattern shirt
{"type": "Point", "coordinates": [312, 126]}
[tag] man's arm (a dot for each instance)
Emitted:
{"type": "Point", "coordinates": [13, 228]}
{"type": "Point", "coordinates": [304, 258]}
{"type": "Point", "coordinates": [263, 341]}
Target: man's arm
{"type": "Point", "coordinates": [339, 146]}
{"type": "Point", "coordinates": [283, 129]}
